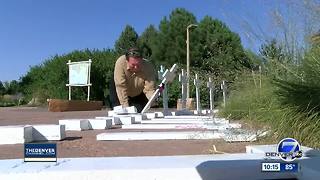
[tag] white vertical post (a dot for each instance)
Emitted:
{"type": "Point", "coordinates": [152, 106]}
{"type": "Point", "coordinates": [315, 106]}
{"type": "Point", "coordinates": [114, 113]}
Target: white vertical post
{"type": "Point", "coordinates": [197, 84]}
{"type": "Point", "coordinates": [260, 72]}
{"type": "Point", "coordinates": [188, 59]}
{"type": "Point", "coordinates": [224, 88]}
{"type": "Point", "coordinates": [89, 83]}
{"type": "Point", "coordinates": [183, 79]}
{"type": "Point", "coordinates": [69, 83]}
{"type": "Point", "coordinates": [165, 91]}
{"type": "Point", "coordinates": [210, 85]}
{"type": "Point", "coordinates": [88, 98]}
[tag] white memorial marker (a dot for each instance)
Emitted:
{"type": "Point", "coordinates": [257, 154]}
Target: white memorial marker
{"type": "Point", "coordinates": [125, 136]}
{"type": "Point", "coordinates": [197, 84]}
{"type": "Point", "coordinates": [210, 85]}
{"type": "Point", "coordinates": [165, 91]}
{"type": "Point", "coordinates": [115, 120]}
{"type": "Point", "coordinates": [181, 126]}
{"type": "Point", "coordinates": [224, 88]}
{"type": "Point", "coordinates": [75, 124]}
{"type": "Point", "coordinates": [48, 132]}
{"type": "Point", "coordinates": [15, 134]}
{"type": "Point", "coordinates": [100, 123]}
{"type": "Point", "coordinates": [168, 77]}
{"type": "Point", "coordinates": [183, 79]}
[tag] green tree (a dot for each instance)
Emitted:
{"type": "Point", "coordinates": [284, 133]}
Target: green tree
{"type": "Point", "coordinates": [127, 39]}
{"type": "Point", "coordinates": [147, 41]}
{"type": "Point", "coordinates": [170, 46]}
{"type": "Point", "coordinates": [254, 59]}
{"type": "Point", "coordinates": [2, 89]}
{"type": "Point", "coordinates": [32, 84]}
{"type": "Point", "coordinates": [11, 87]}
{"type": "Point", "coordinates": [218, 50]}
{"type": "Point", "coordinates": [271, 50]}
{"type": "Point", "coordinates": [275, 60]}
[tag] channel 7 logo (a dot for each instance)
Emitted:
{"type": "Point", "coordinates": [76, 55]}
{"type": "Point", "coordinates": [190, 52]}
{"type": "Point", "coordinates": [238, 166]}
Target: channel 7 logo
{"type": "Point", "coordinates": [288, 150]}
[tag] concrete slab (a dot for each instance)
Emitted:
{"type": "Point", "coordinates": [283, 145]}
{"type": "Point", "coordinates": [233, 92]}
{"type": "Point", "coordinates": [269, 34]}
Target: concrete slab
{"type": "Point", "coordinates": [110, 113]}
{"type": "Point", "coordinates": [103, 117]}
{"type": "Point", "coordinates": [48, 132]}
{"type": "Point", "coordinates": [75, 124]}
{"type": "Point", "coordinates": [115, 120]}
{"type": "Point", "coordinates": [124, 110]}
{"type": "Point", "coordinates": [151, 115]}
{"type": "Point", "coordinates": [221, 120]}
{"type": "Point", "coordinates": [124, 136]}
{"type": "Point", "coordinates": [195, 167]}
{"type": "Point", "coordinates": [126, 119]}
{"type": "Point", "coordinates": [240, 138]}
{"type": "Point", "coordinates": [131, 109]}
{"type": "Point", "coordinates": [176, 126]}
{"type": "Point", "coordinates": [100, 123]}
{"type": "Point", "coordinates": [177, 121]}
{"type": "Point", "coordinates": [15, 134]}
{"type": "Point", "coordinates": [161, 114]}
{"type": "Point", "coordinates": [234, 125]}
{"type": "Point", "coordinates": [240, 135]}
{"type": "Point", "coordinates": [138, 117]}
{"type": "Point", "coordinates": [189, 125]}
{"type": "Point", "coordinates": [187, 117]}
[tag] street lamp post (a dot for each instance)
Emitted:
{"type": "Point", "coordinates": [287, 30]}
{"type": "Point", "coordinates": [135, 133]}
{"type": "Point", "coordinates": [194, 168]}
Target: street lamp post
{"type": "Point", "coordinates": [188, 59]}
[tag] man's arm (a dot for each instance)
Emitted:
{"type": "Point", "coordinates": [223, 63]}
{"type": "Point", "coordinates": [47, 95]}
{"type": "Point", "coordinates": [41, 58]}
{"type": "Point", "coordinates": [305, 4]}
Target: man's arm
{"type": "Point", "coordinates": [121, 84]}
{"type": "Point", "coordinates": [150, 82]}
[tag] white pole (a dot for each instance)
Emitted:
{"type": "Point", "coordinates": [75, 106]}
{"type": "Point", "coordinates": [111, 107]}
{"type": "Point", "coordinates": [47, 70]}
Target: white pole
{"type": "Point", "coordinates": [260, 71]}
{"type": "Point", "coordinates": [188, 59]}
{"type": "Point", "coordinates": [211, 94]}
{"type": "Point", "coordinates": [188, 64]}
{"type": "Point", "coordinates": [165, 91]}
{"type": "Point", "coordinates": [223, 87]}
{"type": "Point", "coordinates": [69, 93]}
{"type": "Point", "coordinates": [69, 81]}
{"type": "Point", "coordinates": [183, 80]}
{"type": "Point", "coordinates": [196, 83]}
{"type": "Point", "coordinates": [88, 99]}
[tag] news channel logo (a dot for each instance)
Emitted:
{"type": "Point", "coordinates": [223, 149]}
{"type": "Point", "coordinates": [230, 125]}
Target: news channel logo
{"type": "Point", "coordinates": [288, 150]}
{"type": "Point", "coordinates": [40, 152]}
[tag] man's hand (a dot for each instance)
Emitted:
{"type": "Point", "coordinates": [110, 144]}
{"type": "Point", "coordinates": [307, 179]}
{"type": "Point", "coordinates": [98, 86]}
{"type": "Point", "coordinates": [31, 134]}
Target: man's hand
{"type": "Point", "coordinates": [161, 88]}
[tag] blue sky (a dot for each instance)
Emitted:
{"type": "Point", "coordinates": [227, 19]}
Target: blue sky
{"type": "Point", "coordinates": [35, 30]}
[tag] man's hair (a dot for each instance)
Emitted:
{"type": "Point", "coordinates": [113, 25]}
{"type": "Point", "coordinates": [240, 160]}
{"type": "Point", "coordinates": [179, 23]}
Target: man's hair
{"type": "Point", "coordinates": [133, 52]}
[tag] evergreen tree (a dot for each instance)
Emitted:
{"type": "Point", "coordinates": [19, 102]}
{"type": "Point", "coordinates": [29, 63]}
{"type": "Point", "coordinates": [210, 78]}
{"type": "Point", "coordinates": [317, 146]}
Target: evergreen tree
{"type": "Point", "coordinates": [218, 50]}
{"type": "Point", "coordinates": [171, 41]}
{"type": "Point", "coordinates": [127, 39]}
{"type": "Point", "coordinates": [274, 58]}
{"type": "Point", "coordinates": [2, 89]}
{"type": "Point", "coordinates": [147, 41]}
